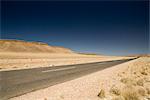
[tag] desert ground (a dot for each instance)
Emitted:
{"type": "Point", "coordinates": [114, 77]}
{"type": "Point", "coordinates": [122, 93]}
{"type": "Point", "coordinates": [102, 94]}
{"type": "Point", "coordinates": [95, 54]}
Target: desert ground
{"type": "Point", "coordinates": [16, 54]}
{"type": "Point", "coordinates": [127, 81]}
{"type": "Point", "coordinates": [13, 61]}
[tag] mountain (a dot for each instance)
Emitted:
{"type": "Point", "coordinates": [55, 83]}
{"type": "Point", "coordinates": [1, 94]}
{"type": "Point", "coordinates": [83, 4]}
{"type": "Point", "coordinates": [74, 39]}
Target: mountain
{"type": "Point", "coordinates": [24, 46]}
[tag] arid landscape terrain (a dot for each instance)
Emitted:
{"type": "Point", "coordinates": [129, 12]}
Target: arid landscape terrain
{"type": "Point", "coordinates": [74, 50]}
{"type": "Point", "coordinates": [127, 81]}
{"type": "Point", "coordinates": [16, 54]}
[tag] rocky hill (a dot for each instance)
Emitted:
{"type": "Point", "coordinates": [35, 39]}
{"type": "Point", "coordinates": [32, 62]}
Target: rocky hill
{"type": "Point", "coordinates": [24, 46]}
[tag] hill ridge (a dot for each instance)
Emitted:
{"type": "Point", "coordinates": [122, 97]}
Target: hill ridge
{"type": "Point", "coordinates": [7, 45]}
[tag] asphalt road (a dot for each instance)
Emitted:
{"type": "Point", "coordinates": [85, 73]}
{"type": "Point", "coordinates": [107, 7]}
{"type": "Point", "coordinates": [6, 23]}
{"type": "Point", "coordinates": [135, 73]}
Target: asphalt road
{"type": "Point", "coordinates": [18, 82]}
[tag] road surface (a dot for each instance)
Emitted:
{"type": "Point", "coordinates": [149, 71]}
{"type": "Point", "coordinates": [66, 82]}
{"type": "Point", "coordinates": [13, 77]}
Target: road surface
{"type": "Point", "coordinates": [18, 82]}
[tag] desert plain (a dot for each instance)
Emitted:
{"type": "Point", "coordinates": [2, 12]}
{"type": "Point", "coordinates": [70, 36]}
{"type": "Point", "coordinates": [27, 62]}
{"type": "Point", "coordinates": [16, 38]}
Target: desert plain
{"type": "Point", "coordinates": [126, 81]}
{"type": "Point", "coordinates": [16, 54]}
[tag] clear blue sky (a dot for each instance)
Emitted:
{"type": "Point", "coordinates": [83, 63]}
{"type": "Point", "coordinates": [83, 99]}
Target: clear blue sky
{"type": "Point", "coordinates": [104, 27]}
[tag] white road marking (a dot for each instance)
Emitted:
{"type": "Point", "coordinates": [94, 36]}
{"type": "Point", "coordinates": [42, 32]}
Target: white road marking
{"type": "Point", "coordinates": [45, 71]}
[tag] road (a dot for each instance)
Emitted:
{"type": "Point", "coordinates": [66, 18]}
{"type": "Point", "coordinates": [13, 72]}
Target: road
{"type": "Point", "coordinates": [18, 82]}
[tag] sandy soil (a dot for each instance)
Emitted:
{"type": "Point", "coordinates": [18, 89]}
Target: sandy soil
{"type": "Point", "coordinates": [90, 86]}
{"type": "Point", "coordinates": [130, 82]}
{"type": "Point", "coordinates": [13, 61]}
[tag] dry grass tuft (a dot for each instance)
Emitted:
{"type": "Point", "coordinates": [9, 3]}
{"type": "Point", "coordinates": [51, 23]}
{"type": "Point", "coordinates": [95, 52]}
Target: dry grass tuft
{"type": "Point", "coordinates": [148, 90]}
{"type": "Point", "coordinates": [144, 70]}
{"type": "Point", "coordinates": [141, 91]}
{"type": "Point", "coordinates": [140, 82]}
{"type": "Point", "coordinates": [125, 80]}
{"type": "Point", "coordinates": [129, 93]}
{"type": "Point", "coordinates": [128, 81]}
{"type": "Point", "coordinates": [115, 90]}
{"type": "Point", "coordinates": [101, 93]}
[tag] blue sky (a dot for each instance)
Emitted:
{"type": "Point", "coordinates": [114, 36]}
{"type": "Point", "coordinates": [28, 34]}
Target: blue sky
{"type": "Point", "coordinates": [104, 27]}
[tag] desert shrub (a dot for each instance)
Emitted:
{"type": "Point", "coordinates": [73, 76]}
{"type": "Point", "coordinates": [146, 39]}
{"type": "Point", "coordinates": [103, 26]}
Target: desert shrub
{"type": "Point", "coordinates": [148, 90]}
{"type": "Point", "coordinates": [128, 81]}
{"type": "Point", "coordinates": [115, 90]}
{"type": "Point", "coordinates": [101, 94]}
{"type": "Point", "coordinates": [143, 72]}
{"type": "Point", "coordinates": [146, 79]}
{"type": "Point", "coordinates": [129, 93]}
{"type": "Point", "coordinates": [140, 82]}
{"type": "Point", "coordinates": [141, 91]}
{"type": "Point", "coordinates": [124, 80]}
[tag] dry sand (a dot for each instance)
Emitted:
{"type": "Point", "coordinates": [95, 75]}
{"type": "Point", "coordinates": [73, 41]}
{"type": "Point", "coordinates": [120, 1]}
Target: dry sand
{"type": "Point", "coordinates": [13, 61]}
{"type": "Point", "coordinates": [89, 86]}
